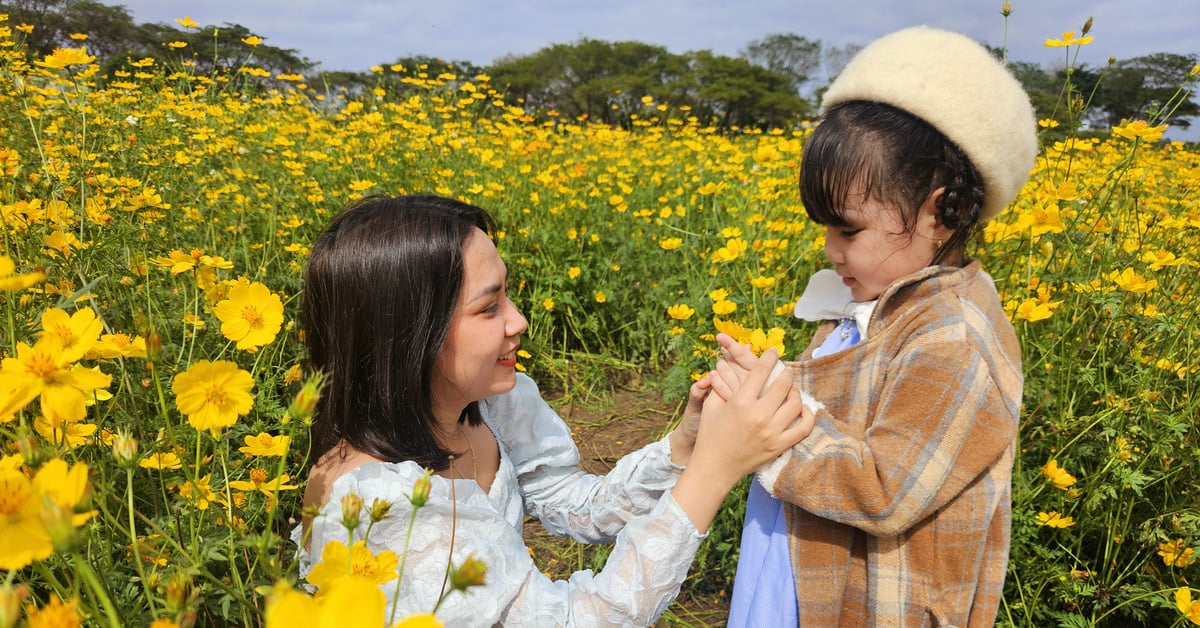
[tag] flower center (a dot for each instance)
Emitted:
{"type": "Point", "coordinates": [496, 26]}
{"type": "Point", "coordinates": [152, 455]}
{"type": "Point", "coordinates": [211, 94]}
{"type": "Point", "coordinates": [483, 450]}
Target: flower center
{"type": "Point", "coordinates": [258, 476]}
{"type": "Point", "coordinates": [252, 316]}
{"type": "Point", "coordinates": [216, 395]}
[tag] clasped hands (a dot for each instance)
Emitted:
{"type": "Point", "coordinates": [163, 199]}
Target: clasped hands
{"type": "Point", "coordinates": [743, 413]}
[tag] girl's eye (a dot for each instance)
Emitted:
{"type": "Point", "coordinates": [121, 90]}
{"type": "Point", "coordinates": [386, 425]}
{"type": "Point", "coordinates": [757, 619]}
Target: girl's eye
{"type": "Point", "coordinates": [850, 233]}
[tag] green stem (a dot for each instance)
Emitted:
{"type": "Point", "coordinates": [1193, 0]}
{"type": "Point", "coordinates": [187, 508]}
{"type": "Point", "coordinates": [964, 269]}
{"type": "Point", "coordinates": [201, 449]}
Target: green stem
{"type": "Point", "coordinates": [133, 541]}
{"type": "Point", "coordinates": [93, 582]}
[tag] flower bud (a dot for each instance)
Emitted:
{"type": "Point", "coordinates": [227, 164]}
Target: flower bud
{"type": "Point", "coordinates": [420, 493]}
{"type": "Point", "coordinates": [351, 507]}
{"type": "Point", "coordinates": [469, 574]}
{"type": "Point", "coordinates": [379, 509]}
{"type": "Point", "coordinates": [125, 450]}
{"type": "Point", "coordinates": [1006, 10]}
{"type": "Point", "coordinates": [1087, 26]}
{"type": "Point", "coordinates": [60, 527]}
{"type": "Point", "coordinates": [304, 405]}
{"type": "Point", "coordinates": [154, 344]}
{"type": "Point", "coordinates": [181, 591]}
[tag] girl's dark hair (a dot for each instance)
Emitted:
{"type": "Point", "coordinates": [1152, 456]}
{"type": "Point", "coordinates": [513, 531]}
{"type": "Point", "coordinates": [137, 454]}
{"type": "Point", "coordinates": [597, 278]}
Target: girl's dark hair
{"type": "Point", "coordinates": [381, 285]}
{"type": "Point", "coordinates": [889, 155]}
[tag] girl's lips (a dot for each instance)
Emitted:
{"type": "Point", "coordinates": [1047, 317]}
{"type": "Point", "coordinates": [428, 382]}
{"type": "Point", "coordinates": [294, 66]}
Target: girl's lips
{"type": "Point", "coordinates": [849, 281]}
{"type": "Point", "coordinates": [508, 359]}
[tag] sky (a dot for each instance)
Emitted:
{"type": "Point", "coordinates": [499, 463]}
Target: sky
{"type": "Point", "coordinates": [357, 34]}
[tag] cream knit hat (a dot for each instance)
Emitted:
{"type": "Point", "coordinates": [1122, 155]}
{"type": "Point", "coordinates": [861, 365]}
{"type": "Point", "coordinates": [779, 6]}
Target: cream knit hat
{"type": "Point", "coordinates": [956, 85]}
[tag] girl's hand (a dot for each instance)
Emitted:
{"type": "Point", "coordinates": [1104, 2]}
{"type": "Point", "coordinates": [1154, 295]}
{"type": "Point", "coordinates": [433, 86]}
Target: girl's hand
{"type": "Point", "coordinates": [683, 437]}
{"type": "Point", "coordinates": [734, 365]}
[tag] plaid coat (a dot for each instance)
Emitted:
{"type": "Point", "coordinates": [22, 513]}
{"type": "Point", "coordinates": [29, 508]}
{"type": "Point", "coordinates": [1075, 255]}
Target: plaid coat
{"type": "Point", "coordinates": [898, 502]}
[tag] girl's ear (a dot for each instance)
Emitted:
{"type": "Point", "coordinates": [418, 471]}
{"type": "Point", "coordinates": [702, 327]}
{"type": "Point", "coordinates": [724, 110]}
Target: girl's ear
{"type": "Point", "coordinates": [929, 216]}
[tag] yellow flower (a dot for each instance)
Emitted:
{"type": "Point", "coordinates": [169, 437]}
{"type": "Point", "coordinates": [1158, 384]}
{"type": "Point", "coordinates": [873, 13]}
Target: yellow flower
{"type": "Point", "coordinates": [1054, 520]}
{"type": "Point", "coordinates": [252, 40]}
{"type": "Point", "coordinates": [733, 249]}
{"type": "Point", "coordinates": [78, 331]}
{"type": "Point", "coordinates": [723, 307]}
{"type": "Point", "coordinates": [65, 486]}
{"type": "Point", "coordinates": [338, 563]}
{"type": "Point", "coordinates": [680, 312]}
{"type": "Point", "coordinates": [118, 346]}
{"type": "Point", "coordinates": [548, 304]}
{"type": "Point", "coordinates": [180, 262]}
{"type": "Point", "coordinates": [251, 315]}
{"type": "Point", "coordinates": [212, 394]}
{"type": "Point", "coordinates": [1174, 554]}
{"type": "Point", "coordinates": [761, 341]}
{"type": "Point", "coordinates": [1130, 281]}
{"type": "Point", "coordinates": [420, 620]}
{"type": "Point", "coordinates": [1138, 129]}
{"type": "Point", "coordinates": [68, 434]}
{"type": "Point", "coordinates": [259, 483]}
{"type": "Point", "coordinates": [1183, 602]}
{"type": "Point", "coordinates": [670, 244]}
{"type": "Point", "coordinates": [66, 57]}
{"type": "Point", "coordinates": [1159, 260]}
{"type": "Point", "coordinates": [11, 282]}
{"type": "Point", "coordinates": [573, 272]}
{"type": "Point", "coordinates": [1068, 39]}
{"type": "Point", "coordinates": [265, 444]}
{"type": "Point", "coordinates": [175, 45]}
{"type": "Point", "coordinates": [346, 602]}
{"type": "Point", "coordinates": [198, 492]}
{"type": "Point", "coordinates": [46, 371]}
{"type": "Point", "coordinates": [1033, 310]}
{"type": "Point", "coordinates": [23, 538]}
{"type": "Point", "coordinates": [55, 614]}
{"type": "Point", "coordinates": [161, 460]}
{"type": "Point", "coordinates": [1058, 475]}
{"type": "Point", "coordinates": [186, 22]}
{"type": "Point", "coordinates": [762, 283]}
{"type": "Point", "coordinates": [600, 296]}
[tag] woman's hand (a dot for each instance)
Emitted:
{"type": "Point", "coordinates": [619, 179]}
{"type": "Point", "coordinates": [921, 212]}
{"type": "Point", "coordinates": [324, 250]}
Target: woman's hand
{"type": "Point", "coordinates": [757, 423]}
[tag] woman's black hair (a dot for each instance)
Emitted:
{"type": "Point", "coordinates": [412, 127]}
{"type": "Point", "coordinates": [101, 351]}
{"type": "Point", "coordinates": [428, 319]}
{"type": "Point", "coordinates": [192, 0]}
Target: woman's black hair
{"type": "Point", "coordinates": [380, 288]}
{"type": "Point", "coordinates": [874, 150]}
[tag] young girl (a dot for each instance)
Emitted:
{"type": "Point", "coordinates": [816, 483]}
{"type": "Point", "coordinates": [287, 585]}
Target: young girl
{"type": "Point", "coordinates": [406, 312]}
{"type": "Point", "coordinates": [895, 510]}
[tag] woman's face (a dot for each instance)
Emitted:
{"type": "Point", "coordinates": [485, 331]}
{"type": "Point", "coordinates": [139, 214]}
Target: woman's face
{"type": "Point", "coordinates": [479, 357]}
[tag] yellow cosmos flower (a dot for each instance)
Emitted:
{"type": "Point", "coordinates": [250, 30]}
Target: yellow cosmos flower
{"type": "Point", "coordinates": [1159, 260]}
{"type": "Point", "coordinates": [179, 262]}
{"type": "Point", "coordinates": [186, 22]}
{"type": "Point", "coordinates": [251, 315]}
{"type": "Point", "coordinates": [733, 330]}
{"type": "Point", "coordinates": [23, 538]}
{"type": "Point", "coordinates": [1174, 554]}
{"type": "Point", "coordinates": [548, 304]}
{"type": "Point", "coordinates": [680, 312]}
{"type": "Point", "coordinates": [259, 483]}
{"type": "Point", "coordinates": [68, 434]}
{"type": "Point", "coordinates": [161, 460]}
{"type": "Point", "coordinates": [734, 248]}
{"type": "Point", "coordinates": [213, 394]}
{"type": "Point", "coordinates": [1054, 520]}
{"type": "Point", "coordinates": [762, 283]}
{"type": "Point", "coordinates": [46, 372]}
{"type": "Point", "coordinates": [1139, 129]}
{"type": "Point", "coordinates": [1130, 281]}
{"type": "Point", "coordinates": [1069, 39]}
{"type": "Point", "coordinates": [1033, 310]}
{"type": "Point", "coordinates": [264, 444]}
{"type": "Point", "coordinates": [65, 486]}
{"type": "Point", "coordinates": [573, 272]}
{"type": "Point", "coordinates": [78, 331]}
{"type": "Point", "coordinates": [670, 244]}
{"type": "Point", "coordinates": [338, 563]}
{"type": "Point", "coordinates": [761, 341]}
{"type": "Point", "coordinates": [199, 492]}
{"type": "Point", "coordinates": [600, 297]}
{"type": "Point", "coordinates": [11, 282]}
{"type": "Point", "coordinates": [252, 40]}
{"type": "Point", "coordinates": [347, 602]}
{"type": "Point", "coordinates": [56, 614]}
{"type": "Point", "coordinates": [420, 620]}
{"type": "Point", "coordinates": [723, 307]}
{"type": "Point", "coordinates": [1183, 602]}
{"type": "Point", "coordinates": [176, 45]}
{"type": "Point", "coordinates": [66, 57]}
{"type": "Point", "coordinates": [113, 346]}
{"type": "Point", "coordinates": [1058, 475]}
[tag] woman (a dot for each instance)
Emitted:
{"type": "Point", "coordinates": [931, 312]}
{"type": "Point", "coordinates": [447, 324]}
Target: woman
{"type": "Point", "coordinates": [406, 312]}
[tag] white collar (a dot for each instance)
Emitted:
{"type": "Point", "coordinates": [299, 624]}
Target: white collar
{"type": "Point", "coordinates": [827, 298]}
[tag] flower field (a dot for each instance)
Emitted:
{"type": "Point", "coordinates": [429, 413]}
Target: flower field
{"type": "Point", "coordinates": [154, 411]}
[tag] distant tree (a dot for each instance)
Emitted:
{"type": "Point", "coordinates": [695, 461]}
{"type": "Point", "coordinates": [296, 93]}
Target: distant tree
{"type": "Point", "coordinates": [791, 56]}
{"type": "Point", "coordinates": [1139, 88]}
{"type": "Point", "coordinates": [737, 94]}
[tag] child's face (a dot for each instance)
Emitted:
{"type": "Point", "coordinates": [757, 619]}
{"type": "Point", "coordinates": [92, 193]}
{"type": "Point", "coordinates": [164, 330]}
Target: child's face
{"type": "Point", "coordinates": [873, 250]}
{"type": "Point", "coordinates": [479, 355]}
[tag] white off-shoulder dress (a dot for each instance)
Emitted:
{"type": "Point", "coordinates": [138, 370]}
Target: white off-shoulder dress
{"type": "Point", "coordinates": [655, 542]}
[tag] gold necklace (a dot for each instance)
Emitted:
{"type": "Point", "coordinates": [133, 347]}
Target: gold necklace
{"type": "Point", "coordinates": [474, 460]}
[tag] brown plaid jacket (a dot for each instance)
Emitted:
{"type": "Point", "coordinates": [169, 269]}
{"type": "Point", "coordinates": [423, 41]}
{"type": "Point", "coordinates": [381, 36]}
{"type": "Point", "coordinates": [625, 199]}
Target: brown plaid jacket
{"type": "Point", "coordinates": [898, 502]}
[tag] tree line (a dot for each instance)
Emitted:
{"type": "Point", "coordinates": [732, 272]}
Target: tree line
{"type": "Point", "coordinates": [774, 82]}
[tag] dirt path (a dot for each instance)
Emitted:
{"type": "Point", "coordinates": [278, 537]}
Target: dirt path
{"type": "Point", "coordinates": [604, 430]}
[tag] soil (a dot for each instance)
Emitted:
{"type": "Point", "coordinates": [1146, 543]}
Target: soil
{"type": "Point", "coordinates": [605, 429]}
